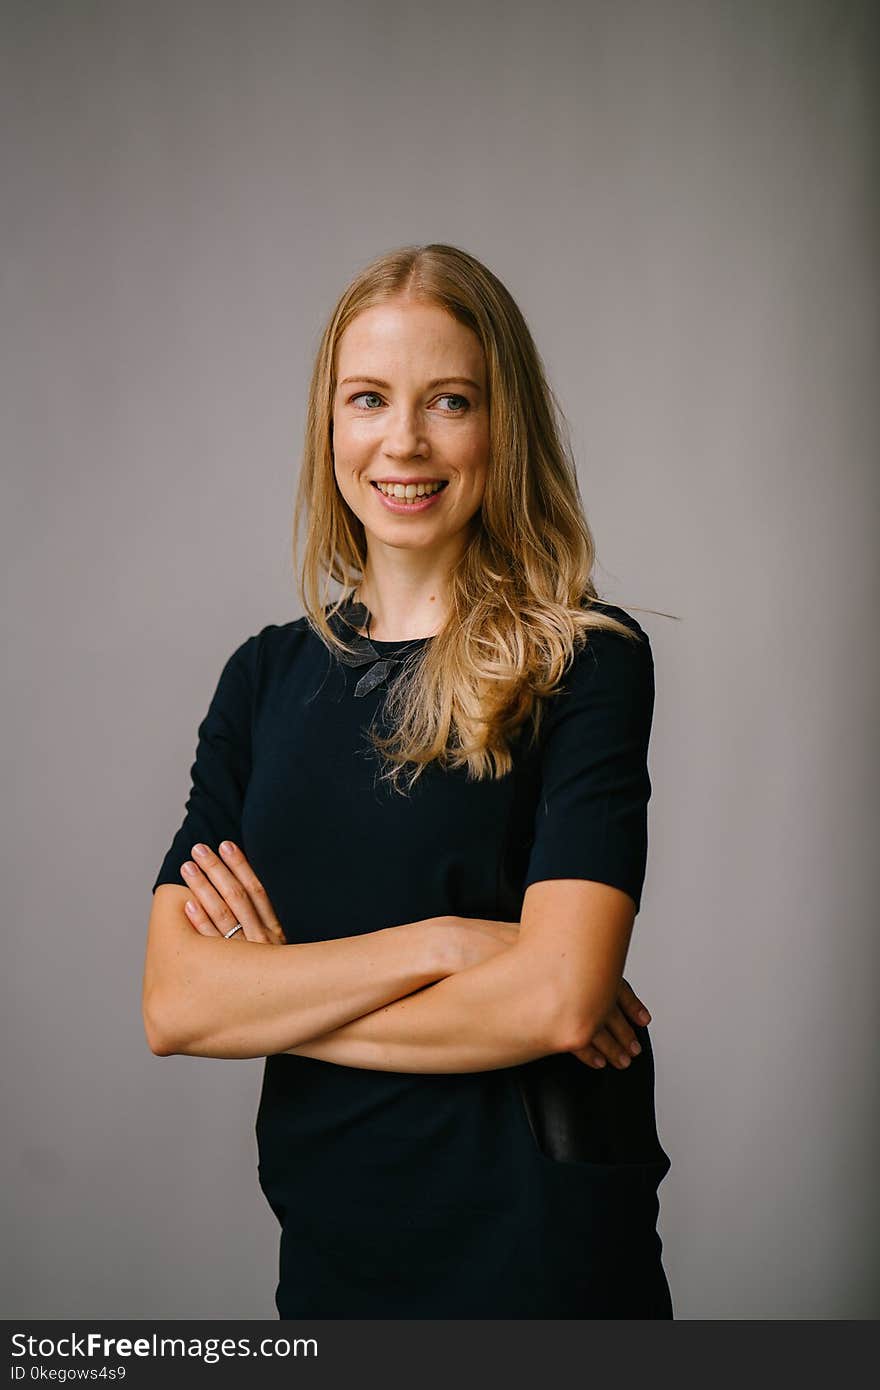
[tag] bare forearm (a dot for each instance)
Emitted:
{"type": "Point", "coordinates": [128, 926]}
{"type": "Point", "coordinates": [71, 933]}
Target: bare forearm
{"type": "Point", "coordinates": [247, 999]}
{"type": "Point", "coordinates": [495, 1014]}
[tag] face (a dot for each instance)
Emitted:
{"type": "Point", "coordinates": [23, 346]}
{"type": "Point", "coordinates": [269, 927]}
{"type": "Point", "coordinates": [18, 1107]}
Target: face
{"type": "Point", "coordinates": [411, 414]}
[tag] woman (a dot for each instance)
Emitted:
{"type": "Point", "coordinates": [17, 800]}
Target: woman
{"type": "Point", "coordinates": [432, 792]}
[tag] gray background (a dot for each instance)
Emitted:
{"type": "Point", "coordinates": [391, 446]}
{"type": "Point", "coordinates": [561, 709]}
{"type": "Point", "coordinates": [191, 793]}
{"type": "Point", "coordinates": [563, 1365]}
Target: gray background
{"type": "Point", "coordinates": [683, 199]}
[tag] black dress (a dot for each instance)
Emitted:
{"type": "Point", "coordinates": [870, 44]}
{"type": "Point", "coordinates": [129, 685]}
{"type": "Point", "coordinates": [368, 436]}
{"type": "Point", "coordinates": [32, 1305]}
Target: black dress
{"type": "Point", "coordinates": [522, 1192]}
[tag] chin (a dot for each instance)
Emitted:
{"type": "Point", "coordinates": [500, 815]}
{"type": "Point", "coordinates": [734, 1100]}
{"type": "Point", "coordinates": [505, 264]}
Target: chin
{"type": "Point", "coordinates": [407, 539]}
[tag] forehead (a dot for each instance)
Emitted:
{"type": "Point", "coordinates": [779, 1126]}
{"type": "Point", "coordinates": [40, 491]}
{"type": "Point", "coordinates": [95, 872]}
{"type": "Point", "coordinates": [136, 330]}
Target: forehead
{"type": "Point", "coordinates": [408, 337]}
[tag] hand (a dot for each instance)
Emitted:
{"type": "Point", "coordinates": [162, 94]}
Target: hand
{"type": "Point", "coordinates": [615, 1038]}
{"type": "Point", "coordinates": [225, 891]}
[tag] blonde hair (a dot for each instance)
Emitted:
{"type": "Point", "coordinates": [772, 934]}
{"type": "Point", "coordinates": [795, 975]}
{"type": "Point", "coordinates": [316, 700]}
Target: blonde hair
{"type": "Point", "coordinates": [520, 595]}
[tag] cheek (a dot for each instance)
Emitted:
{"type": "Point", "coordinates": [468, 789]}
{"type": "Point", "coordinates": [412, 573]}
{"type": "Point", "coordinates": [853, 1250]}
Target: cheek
{"type": "Point", "coordinates": [350, 451]}
{"type": "Point", "coordinates": [473, 490]}
{"type": "Point", "coordinates": [478, 491]}
{"type": "Point", "coordinates": [473, 453]}
{"type": "Point", "coordinates": [345, 453]}
{"type": "Point", "coordinates": [478, 466]}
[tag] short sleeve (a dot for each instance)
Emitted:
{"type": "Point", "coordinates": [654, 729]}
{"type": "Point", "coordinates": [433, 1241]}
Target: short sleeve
{"type": "Point", "coordinates": [591, 820]}
{"type": "Point", "coordinates": [220, 773]}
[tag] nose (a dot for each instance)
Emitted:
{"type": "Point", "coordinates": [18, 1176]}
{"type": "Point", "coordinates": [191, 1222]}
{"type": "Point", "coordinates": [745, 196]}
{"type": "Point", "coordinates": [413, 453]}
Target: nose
{"type": "Point", "coordinates": [405, 437]}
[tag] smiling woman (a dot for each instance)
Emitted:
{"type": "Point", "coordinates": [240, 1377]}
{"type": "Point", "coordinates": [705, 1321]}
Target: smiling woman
{"type": "Point", "coordinates": [409, 453]}
{"type": "Point", "coordinates": [424, 802]}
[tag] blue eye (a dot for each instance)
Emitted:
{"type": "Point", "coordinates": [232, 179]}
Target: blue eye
{"type": "Point", "coordinates": [366, 395]}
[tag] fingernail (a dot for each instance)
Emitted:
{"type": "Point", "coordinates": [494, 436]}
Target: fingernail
{"type": "Point", "coordinates": [600, 1061]}
{"type": "Point", "coordinates": [227, 847]}
{"type": "Point", "coordinates": [199, 851]}
{"type": "Point", "coordinates": [189, 907]}
{"type": "Point", "coordinates": [644, 1016]}
{"type": "Point", "coordinates": [187, 869]}
{"type": "Point", "coordinates": [635, 1048]}
{"type": "Point", "coordinates": [624, 1060]}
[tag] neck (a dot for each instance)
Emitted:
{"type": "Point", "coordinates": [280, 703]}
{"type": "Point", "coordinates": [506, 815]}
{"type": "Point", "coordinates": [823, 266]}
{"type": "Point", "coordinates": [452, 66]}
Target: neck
{"type": "Point", "coordinates": [406, 590]}
{"type": "Point", "coordinates": [392, 618]}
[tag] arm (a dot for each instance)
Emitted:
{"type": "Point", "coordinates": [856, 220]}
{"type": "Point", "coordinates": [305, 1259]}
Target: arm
{"type": "Point", "coordinates": [218, 998]}
{"type": "Point", "coordinates": [214, 998]}
{"type": "Point", "coordinates": [547, 993]}
{"type": "Point", "coordinates": [553, 989]}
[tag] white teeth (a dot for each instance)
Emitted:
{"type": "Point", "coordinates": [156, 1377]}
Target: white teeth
{"type": "Point", "coordinates": [407, 491]}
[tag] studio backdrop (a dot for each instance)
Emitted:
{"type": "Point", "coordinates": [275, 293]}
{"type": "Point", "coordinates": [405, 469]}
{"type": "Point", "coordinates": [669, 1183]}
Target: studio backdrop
{"type": "Point", "coordinates": [682, 197]}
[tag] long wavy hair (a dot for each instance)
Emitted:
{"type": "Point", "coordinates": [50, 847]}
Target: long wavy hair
{"type": "Point", "coordinates": [520, 597]}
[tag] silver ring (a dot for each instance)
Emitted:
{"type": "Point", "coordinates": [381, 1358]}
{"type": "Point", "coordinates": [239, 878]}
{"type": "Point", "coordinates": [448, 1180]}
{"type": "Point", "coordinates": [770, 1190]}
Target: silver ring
{"type": "Point", "coordinates": [237, 927]}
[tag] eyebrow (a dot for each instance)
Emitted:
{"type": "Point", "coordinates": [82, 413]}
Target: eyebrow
{"type": "Point", "coordinates": [440, 381]}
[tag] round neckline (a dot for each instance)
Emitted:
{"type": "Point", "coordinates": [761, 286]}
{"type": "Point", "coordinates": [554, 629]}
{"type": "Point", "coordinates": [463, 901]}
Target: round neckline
{"type": "Point", "coordinates": [350, 609]}
{"type": "Point", "coordinates": [396, 641]}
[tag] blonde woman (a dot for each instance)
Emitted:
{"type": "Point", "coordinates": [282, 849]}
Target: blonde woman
{"type": "Point", "coordinates": [428, 798]}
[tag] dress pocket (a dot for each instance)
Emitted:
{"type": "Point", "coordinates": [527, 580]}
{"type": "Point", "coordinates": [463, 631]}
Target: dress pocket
{"type": "Point", "coordinates": [578, 1114]}
{"type": "Point", "coordinates": [596, 1166]}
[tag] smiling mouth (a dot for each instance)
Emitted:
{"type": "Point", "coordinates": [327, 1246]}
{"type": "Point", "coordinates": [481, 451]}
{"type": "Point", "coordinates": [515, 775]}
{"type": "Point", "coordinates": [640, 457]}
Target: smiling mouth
{"type": "Point", "coordinates": [409, 499]}
{"type": "Point", "coordinates": [410, 494]}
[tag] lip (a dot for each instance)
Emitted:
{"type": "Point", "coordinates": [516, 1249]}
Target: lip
{"type": "Point", "coordinates": [402, 508]}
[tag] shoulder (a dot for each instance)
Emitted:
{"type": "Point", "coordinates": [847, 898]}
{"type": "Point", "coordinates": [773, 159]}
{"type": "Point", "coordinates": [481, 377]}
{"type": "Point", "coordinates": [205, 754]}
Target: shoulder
{"type": "Point", "coordinates": [271, 639]}
{"type": "Point", "coordinates": [610, 637]}
{"type": "Point", "coordinates": [277, 638]}
{"type": "Point", "coordinates": [608, 652]}
{"type": "Point", "coordinates": [609, 673]}
{"type": "Point", "coordinates": [263, 651]}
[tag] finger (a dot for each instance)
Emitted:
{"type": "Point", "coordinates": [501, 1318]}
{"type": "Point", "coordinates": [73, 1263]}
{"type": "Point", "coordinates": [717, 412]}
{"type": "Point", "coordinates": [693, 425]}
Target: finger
{"type": "Point", "coordinates": [199, 918]}
{"type": "Point", "coordinates": [221, 895]}
{"type": "Point", "coordinates": [590, 1056]}
{"type": "Point", "coordinates": [605, 1043]}
{"type": "Point", "coordinates": [236, 861]}
{"type": "Point", "coordinates": [620, 1030]}
{"type": "Point", "coordinates": [632, 1004]}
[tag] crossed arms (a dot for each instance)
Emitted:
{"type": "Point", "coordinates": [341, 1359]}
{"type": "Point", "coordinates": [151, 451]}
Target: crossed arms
{"type": "Point", "coordinates": [405, 998]}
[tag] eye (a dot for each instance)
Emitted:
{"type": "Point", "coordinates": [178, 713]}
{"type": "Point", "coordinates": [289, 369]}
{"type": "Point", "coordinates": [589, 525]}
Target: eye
{"type": "Point", "coordinates": [463, 406]}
